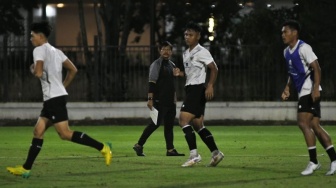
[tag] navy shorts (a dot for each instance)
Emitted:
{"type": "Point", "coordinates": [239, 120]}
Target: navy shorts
{"type": "Point", "coordinates": [194, 101]}
{"type": "Point", "coordinates": [306, 104]}
{"type": "Point", "coordinates": [55, 109]}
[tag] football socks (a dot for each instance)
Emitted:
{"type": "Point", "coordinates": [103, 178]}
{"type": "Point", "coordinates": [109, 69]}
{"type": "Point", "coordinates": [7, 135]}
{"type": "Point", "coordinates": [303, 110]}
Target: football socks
{"type": "Point", "coordinates": [190, 136]}
{"type": "Point", "coordinates": [84, 139]}
{"type": "Point", "coordinates": [34, 150]}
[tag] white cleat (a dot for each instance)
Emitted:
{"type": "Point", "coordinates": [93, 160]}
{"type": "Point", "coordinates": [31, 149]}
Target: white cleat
{"type": "Point", "coordinates": [332, 169]}
{"type": "Point", "coordinates": [216, 158]}
{"type": "Point", "coordinates": [311, 167]}
{"type": "Point", "coordinates": [192, 160]}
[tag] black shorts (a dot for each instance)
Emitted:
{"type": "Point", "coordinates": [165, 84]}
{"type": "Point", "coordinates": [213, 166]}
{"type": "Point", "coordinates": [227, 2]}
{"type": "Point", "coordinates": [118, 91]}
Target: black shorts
{"type": "Point", "coordinates": [55, 109]}
{"type": "Point", "coordinates": [306, 105]}
{"type": "Point", "coordinates": [194, 101]}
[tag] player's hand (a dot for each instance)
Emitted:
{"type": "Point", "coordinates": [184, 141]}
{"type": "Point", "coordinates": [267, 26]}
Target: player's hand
{"type": "Point", "coordinates": [150, 104]}
{"type": "Point", "coordinates": [176, 72]}
{"type": "Point", "coordinates": [31, 68]}
{"type": "Point", "coordinates": [209, 92]}
{"type": "Point", "coordinates": [316, 95]}
{"type": "Point", "coordinates": [285, 95]}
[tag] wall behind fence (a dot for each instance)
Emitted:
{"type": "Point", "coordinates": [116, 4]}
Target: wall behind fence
{"type": "Point", "coordinates": [221, 112]}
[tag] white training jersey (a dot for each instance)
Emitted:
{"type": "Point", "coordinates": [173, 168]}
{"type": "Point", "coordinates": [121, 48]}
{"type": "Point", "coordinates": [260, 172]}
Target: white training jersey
{"type": "Point", "coordinates": [195, 64]}
{"type": "Point", "coordinates": [307, 57]}
{"type": "Point", "coordinates": [51, 80]}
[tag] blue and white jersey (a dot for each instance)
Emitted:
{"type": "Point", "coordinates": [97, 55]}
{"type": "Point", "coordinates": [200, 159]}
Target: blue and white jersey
{"type": "Point", "coordinates": [298, 61]}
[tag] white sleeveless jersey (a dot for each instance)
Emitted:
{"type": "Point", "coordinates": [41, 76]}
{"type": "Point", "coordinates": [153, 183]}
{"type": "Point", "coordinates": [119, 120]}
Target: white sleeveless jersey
{"type": "Point", "coordinates": [51, 80]}
{"type": "Point", "coordinates": [195, 64]}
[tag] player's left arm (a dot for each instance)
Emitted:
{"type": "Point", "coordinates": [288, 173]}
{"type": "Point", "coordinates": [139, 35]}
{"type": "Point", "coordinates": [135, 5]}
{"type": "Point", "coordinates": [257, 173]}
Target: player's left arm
{"type": "Point", "coordinates": [71, 72]}
{"type": "Point", "coordinates": [209, 92]}
{"type": "Point", "coordinates": [37, 68]}
{"type": "Point", "coordinates": [317, 80]}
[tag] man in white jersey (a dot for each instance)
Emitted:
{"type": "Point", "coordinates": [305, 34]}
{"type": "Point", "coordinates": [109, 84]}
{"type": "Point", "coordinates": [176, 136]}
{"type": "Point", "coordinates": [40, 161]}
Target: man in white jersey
{"type": "Point", "coordinates": [48, 65]}
{"type": "Point", "coordinates": [305, 74]}
{"type": "Point", "coordinates": [196, 60]}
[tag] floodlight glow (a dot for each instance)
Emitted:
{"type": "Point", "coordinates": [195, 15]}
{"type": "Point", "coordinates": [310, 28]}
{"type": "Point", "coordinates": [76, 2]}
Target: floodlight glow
{"type": "Point", "coordinates": [51, 11]}
{"type": "Point", "coordinates": [60, 5]}
{"type": "Point", "coordinates": [211, 24]}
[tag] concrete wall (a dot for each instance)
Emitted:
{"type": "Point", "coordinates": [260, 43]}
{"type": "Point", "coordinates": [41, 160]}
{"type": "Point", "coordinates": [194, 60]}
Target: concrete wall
{"type": "Point", "coordinates": [246, 111]}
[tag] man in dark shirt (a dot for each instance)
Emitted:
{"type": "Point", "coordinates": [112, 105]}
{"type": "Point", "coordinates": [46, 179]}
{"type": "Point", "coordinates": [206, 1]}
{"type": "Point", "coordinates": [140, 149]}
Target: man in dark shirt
{"type": "Point", "coordinates": [161, 96]}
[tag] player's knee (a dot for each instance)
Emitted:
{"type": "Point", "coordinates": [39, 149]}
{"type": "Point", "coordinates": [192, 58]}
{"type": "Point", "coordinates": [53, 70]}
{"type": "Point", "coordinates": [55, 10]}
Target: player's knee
{"type": "Point", "coordinates": [64, 135]}
{"type": "Point", "coordinates": [38, 133]}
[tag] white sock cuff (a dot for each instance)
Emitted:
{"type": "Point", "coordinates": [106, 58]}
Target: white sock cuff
{"type": "Point", "coordinates": [201, 129]}
{"type": "Point", "coordinates": [186, 126]}
{"type": "Point", "coordinates": [312, 147]}
{"type": "Point", "coordinates": [331, 146]}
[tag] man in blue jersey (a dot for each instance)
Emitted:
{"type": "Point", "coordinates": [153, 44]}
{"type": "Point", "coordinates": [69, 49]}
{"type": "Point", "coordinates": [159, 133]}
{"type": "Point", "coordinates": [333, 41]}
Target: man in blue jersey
{"type": "Point", "coordinates": [305, 75]}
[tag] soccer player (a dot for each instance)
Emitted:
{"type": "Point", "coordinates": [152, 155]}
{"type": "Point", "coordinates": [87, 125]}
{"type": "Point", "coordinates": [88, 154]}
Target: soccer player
{"type": "Point", "coordinates": [196, 60]}
{"type": "Point", "coordinates": [305, 75]}
{"type": "Point", "coordinates": [161, 96]}
{"type": "Point", "coordinates": [48, 64]}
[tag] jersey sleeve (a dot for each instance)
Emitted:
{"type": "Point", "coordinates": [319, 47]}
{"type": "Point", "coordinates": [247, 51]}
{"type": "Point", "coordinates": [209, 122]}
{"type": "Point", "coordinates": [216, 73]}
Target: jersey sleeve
{"type": "Point", "coordinates": [154, 72]}
{"type": "Point", "coordinates": [62, 56]}
{"type": "Point", "coordinates": [307, 53]}
{"type": "Point", "coordinates": [205, 57]}
{"type": "Point", "coordinates": [38, 54]}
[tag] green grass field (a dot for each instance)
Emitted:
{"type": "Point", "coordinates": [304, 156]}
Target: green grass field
{"type": "Point", "coordinates": [255, 156]}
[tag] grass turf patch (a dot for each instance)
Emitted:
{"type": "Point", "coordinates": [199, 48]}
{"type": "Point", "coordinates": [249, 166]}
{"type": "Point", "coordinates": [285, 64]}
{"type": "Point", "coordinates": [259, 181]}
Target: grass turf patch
{"type": "Point", "coordinates": [255, 156]}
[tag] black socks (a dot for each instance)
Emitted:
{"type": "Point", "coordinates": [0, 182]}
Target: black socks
{"type": "Point", "coordinates": [34, 150]}
{"type": "Point", "coordinates": [84, 139]}
{"type": "Point", "coordinates": [208, 139]}
{"type": "Point", "coordinates": [190, 136]}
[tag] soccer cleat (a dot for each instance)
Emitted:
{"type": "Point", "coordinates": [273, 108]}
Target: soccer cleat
{"type": "Point", "coordinates": [19, 171]}
{"type": "Point", "coordinates": [192, 160]}
{"type": "Point", "coordinates": [216, 158]}
{"type": "Point", "coordinates": [107, 153]}
{"type": "Point", "coordinates": [332, 169]}
{"type": "Point", "coordinates": [174, 153]}
{"type": "Point", "coordinates": [311, 167]}
{"type": "Point", "coordinates": [138, 150]}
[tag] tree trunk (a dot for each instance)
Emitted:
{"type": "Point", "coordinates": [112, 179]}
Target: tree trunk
{"type": "Point", "coordinates": [87, 55]}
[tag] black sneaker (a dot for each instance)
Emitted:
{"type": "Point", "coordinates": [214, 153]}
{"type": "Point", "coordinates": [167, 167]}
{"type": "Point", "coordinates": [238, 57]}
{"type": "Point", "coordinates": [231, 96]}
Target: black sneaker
{"type": "Point", "coordinates": [138, 149]}
{"type": "Point", "coordinates": [174, 153]}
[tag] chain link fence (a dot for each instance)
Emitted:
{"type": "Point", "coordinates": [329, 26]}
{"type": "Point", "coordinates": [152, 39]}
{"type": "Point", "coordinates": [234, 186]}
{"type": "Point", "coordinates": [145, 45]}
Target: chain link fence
{"type": "Point", "coordinates": [246, 73]}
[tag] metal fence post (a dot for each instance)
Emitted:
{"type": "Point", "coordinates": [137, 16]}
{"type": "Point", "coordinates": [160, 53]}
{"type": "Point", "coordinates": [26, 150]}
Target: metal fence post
{"type": "Point", "coordinates": [5, 70]}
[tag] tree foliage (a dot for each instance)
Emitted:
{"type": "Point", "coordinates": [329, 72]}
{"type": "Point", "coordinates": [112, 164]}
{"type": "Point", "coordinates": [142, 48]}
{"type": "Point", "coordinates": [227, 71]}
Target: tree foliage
{"type": "Point", "coordinates": [11, 19]}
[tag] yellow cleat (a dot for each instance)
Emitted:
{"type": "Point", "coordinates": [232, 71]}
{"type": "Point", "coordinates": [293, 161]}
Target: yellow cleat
{"type": "Point", "coordinates": [107, 153]}
{"type": "Point", "coordinates": [19, 171]}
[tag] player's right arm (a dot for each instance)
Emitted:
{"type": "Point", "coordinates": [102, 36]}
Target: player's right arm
{"type": "Point", "coordinates": [286, 93]}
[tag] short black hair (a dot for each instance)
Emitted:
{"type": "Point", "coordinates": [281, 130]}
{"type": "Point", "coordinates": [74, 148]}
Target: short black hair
{"type": "Point", "coordinates": [41, 27]}
{"type": "Point", "coordinates": [292, 24]}
{"type": "Point", "coordinates": [193, 26]}
{"type": "Point", "coordinates": [165, 44]}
